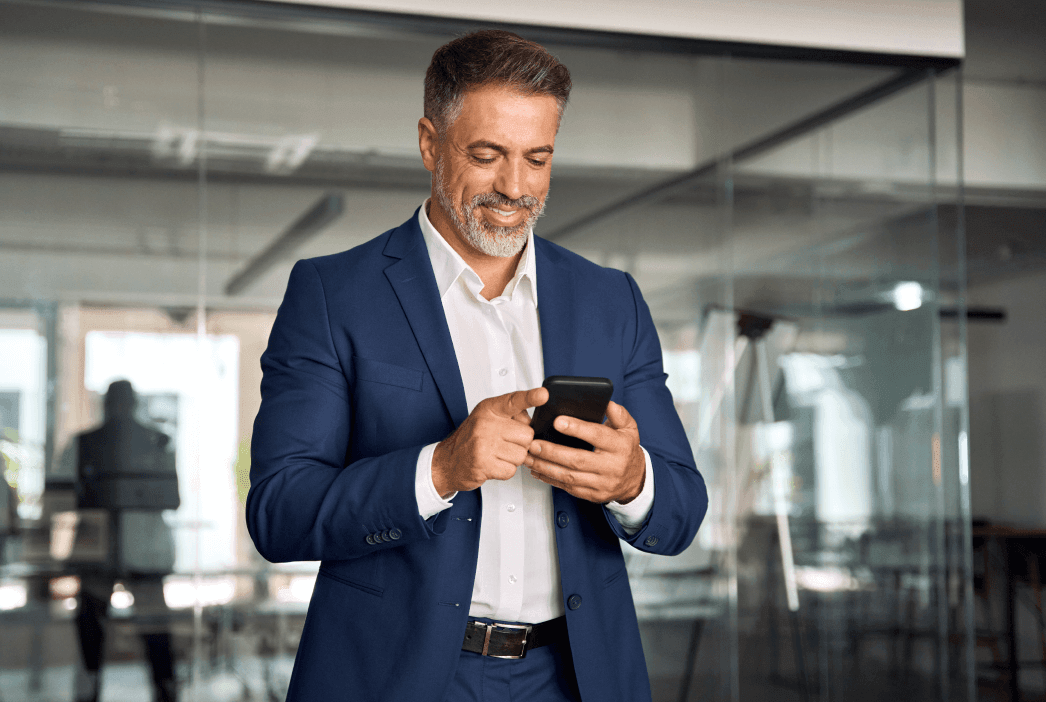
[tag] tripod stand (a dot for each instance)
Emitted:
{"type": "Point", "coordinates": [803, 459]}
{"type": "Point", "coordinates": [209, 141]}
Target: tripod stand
{"type": "Point", "coordinates": [752, 330]}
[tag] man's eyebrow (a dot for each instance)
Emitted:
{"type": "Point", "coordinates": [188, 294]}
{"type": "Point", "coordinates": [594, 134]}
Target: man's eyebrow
{"type": "Point", "coordinates": [481, 144]}
{"type": "Point", "coordinates": [487, 145]}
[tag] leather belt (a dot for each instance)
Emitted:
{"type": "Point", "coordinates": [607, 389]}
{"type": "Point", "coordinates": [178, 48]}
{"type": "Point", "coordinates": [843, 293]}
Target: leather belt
{"type": "Point", "coordinates": [512, 640]}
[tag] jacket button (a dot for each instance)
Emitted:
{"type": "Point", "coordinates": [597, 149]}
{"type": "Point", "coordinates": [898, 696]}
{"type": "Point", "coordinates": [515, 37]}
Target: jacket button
{"type": "Point", "coordinates": [574, 601]}
{"type": "Point", "coordinates": [370, 539]}
{"type": "Point", "coordinates": [562, 519]}
{"type": "Point", "coordinates": [395, 534]}
{"type": "Point", "coordinates": [384, 536]}
{"type": "Point", "coordinates": [651, 541]}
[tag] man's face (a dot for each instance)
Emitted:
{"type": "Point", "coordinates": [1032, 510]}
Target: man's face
{"type": "Point", "coordinates": [491, 170]}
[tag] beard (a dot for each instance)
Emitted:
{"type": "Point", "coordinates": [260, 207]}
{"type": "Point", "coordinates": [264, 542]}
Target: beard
{"type": "Point", "coordinates": [492, 240]}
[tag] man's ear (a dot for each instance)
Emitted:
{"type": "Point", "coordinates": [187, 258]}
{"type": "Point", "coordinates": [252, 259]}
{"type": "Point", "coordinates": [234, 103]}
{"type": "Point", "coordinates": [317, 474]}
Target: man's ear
{"type": "Point", "coordinates": [428, 140]}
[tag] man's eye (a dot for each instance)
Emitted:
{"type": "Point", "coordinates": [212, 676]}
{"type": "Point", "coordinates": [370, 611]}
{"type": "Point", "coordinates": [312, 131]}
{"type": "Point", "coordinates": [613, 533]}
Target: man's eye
{"type": "Point", "coordinates": [539, 162]}
{"type": "Point", "coordinates": [483, 159]}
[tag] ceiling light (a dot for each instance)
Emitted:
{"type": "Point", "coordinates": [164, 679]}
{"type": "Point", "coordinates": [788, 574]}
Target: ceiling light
{"type": "Point", "coordinates": [907, 296]}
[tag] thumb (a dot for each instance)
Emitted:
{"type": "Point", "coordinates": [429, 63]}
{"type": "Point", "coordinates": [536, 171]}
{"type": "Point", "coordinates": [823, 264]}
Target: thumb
{"type": "Point", "coordinates": [618, 417]}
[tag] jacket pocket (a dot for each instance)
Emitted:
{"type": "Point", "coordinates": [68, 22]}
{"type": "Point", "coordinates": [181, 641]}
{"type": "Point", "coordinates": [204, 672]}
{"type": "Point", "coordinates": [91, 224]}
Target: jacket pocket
{"type": "Point", "coordinates": [370, 589]}
{"type": "Point", "coordinates": [388, 374]}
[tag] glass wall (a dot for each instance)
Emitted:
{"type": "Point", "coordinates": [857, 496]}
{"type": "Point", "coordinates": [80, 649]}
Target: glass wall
{"type": "Point", "coordinates": [160, 172]}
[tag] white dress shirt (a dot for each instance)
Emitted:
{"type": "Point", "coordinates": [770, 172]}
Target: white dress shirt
{"type": "Point", "coordinates": [498, 348]}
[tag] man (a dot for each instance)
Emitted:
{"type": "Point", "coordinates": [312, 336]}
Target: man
{"type": "Point", "coordinates": [393, 441]}
{"type": "Point", "coordinates": [119, 457]}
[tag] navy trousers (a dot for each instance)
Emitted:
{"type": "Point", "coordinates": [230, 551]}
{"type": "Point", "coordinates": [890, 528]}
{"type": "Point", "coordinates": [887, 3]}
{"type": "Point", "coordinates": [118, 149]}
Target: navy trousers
{"type": "Point", "coordinates": [546, 674]}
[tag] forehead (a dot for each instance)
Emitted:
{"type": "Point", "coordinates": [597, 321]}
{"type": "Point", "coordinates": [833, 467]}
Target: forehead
{"type": "Point", "coordinates": [506, 116]}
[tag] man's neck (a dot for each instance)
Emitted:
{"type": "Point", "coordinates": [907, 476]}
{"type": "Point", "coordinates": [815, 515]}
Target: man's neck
{"type": "Point", "coordinates": [494, 271]}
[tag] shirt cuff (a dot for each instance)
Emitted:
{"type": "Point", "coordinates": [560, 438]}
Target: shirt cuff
{"type": "Point", "coordinates": [632, 515]}
{"type": "Point", "coordinates": [429, 501]}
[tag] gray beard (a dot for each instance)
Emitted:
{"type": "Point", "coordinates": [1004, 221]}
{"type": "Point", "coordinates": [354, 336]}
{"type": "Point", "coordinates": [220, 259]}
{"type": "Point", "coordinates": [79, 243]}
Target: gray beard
{"type": "Point", "coordinates": [501, 242]}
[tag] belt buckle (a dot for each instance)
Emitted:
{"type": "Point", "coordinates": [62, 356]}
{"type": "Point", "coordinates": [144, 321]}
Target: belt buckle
{"type": "Point", "coordinates": [526, 637]}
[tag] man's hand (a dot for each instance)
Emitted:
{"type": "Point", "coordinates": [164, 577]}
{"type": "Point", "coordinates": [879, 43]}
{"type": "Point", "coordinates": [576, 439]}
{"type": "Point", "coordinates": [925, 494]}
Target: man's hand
{"type": "Point", "coordinates": [614, 471]}
{"type": "Point", "coordinates": [489, 445]}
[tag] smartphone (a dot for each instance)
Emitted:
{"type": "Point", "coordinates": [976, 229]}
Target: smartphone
{"type": "Point", "coordinates": [574, 396]}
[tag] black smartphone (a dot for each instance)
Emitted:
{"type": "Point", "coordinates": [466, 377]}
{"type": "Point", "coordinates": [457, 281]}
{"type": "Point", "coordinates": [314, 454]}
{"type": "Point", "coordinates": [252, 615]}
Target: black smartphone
{"type": "Point", "coordinates": [574, 396]}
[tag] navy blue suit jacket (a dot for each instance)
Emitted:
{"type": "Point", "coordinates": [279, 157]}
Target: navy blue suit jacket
{"type": "Point", "coordinates": [359, 375]}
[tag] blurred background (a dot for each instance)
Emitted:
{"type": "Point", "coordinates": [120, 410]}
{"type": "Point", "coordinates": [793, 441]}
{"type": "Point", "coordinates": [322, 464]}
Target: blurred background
{"type": "Point", "coordinates": [842, 242]}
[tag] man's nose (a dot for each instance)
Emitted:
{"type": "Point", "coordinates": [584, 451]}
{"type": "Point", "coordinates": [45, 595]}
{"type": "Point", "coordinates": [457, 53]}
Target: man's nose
{"type": "Point", "coordinates": [510, 180]}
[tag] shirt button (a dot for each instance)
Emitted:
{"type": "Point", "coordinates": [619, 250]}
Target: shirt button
{"type": "Point", "coordinates": [651, 541]}
{"type": "Point", "coordinates": [503, 372]}
{"type": "Point", "coordinates": [562, 519]}
{"type": "Point", "coordinates": [574, 601]}
{"type": "Point", "coordinates": [511, 508]}
{"type": "Point", "coordinates": [512, 579]}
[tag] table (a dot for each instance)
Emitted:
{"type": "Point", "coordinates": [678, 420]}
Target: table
{"type": "Point", "coordinates": [1024, 556]}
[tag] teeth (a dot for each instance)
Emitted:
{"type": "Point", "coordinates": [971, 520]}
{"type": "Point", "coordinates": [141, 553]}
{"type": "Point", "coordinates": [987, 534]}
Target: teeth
{"type": "Point", "coordinates": [504, 213]}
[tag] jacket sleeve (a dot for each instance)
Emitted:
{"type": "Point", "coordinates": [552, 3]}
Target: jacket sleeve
{"type": "Point", "coordinates": [304, 502]}
{"type": "Point", "coordinates": [680, 497]}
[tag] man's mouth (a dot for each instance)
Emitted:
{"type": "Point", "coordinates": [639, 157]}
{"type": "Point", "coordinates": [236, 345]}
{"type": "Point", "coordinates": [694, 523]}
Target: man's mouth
{"type": "Point", "coordinates": [504, 215]}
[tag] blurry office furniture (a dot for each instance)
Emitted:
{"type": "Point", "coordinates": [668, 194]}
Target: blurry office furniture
{"type": "Point", "coordinates": [895, 553]}
{"type": "Point", "coordinates": [681, 592]}
{"type": "Point", "coordinates": [773, 441]}
{"type": "Point", "coordinates": [125, 478]}
{"type": "Point", "coordinates": [1015, 555]}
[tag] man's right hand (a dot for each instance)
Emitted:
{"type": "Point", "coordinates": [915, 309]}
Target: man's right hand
{"type": "Point", "coordinates": [490, 444]}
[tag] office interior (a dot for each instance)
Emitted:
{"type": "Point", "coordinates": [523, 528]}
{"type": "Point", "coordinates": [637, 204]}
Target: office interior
{"type": "Point", "coordinates": [844, 255]}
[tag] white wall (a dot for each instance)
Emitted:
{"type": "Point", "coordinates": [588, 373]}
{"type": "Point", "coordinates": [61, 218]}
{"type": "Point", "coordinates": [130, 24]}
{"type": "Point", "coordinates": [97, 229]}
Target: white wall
{"type": "Point", "coordinates": [1007, 367]}
{"type": "Point", "coordinates": [926, 27]}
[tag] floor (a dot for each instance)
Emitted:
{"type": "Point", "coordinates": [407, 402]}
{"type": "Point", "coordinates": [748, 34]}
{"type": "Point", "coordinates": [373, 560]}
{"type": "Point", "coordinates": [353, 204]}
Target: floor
{"type": "Point", "coordinates": [129, 682]}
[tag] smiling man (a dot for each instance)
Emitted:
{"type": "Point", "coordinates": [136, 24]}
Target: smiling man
{"type": "Point", "coordinates": [461, 558]}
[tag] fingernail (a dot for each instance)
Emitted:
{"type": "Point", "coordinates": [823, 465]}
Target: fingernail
{"type": "Point", "coordinates": [535, 447]}
{"type": "Point", "coordinates": [562, 423]}
{"type": "Point", "coordinates": [528, 461]}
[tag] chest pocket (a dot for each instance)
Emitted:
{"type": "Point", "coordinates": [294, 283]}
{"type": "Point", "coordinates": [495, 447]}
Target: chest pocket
{"type": "Point", "coordinates": [369, 370]}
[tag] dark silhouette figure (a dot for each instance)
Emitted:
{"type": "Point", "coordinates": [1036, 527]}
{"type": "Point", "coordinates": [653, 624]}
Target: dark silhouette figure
{"type": "Point", "coordinates": [127, 469]}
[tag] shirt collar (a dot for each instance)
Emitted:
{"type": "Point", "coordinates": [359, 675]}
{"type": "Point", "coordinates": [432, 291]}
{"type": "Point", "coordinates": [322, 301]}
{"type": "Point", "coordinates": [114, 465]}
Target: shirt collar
{"type": "Point", "coordinates": [448, 265]}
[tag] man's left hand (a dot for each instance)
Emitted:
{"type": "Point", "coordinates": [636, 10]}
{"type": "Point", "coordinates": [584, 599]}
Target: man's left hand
{"type": "Point", "coordinates": [614, 471]}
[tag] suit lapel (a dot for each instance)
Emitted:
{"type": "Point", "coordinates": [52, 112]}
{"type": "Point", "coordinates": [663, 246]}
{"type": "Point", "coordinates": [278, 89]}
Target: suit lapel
{"type": "Point", "coordinates": [556, 310]}
{"type": "Point", "coordinates": [412, 280]}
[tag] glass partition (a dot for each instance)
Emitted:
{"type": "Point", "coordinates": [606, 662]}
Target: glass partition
{"type": "Point", "coordinates": [162, 169]}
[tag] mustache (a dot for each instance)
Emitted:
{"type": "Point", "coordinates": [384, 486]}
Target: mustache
{"type": "Point", "coordinates": [495, 199]}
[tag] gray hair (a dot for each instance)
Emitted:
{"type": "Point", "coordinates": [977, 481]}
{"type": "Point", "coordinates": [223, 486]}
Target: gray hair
{"type": "Point", "coordinates": [490, 57]}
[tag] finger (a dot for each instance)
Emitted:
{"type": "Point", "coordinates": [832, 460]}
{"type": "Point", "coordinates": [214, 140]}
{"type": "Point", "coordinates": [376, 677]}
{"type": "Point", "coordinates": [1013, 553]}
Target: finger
{"type": "Point", "coordinates": [599, 435]}
{"type": "Point", "coordinates": [572, 458]}
{"type": "Point", "coordinates": [577, 484]}
{"type": "Point", "coordinates": [522, 418]}
{"type": "Point", "coordinates": [516, 432]}
{"type": "Point", "coordinates": [618, 417]}
{"type": "Point", "coordinates": [512, 453]}
{"type": "Point", "coordinates": [502, 470]}
{"type": "Point", "coordinates": [562, 476]}
{"type": "Point", "coordinates": [513, 403]}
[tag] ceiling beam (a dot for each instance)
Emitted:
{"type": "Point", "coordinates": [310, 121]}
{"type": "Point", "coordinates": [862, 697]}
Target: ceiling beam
{"type": "Point", "coordinates": [680, 183]}
{"type": "Point", "coordinates": [329, 208]}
